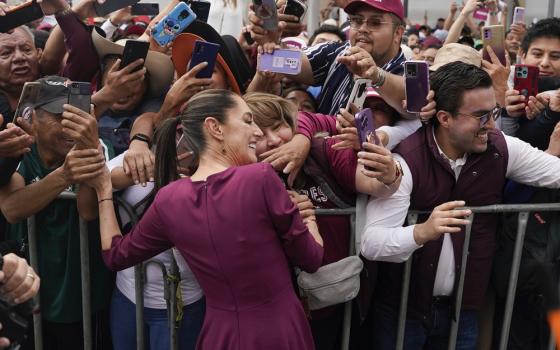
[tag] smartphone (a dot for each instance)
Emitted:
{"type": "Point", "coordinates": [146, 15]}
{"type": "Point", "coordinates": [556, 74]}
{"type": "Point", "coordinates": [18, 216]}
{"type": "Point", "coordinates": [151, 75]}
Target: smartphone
{"type": "Point", "coordinates": [133, 50]}
{"type": "Point", "coordinates": [295, 8]}
{"type": "Point", "coordinates": [80, 95]}
{"type": "Point", "coordinates": [481, 14]}
{"type": "Point", "coordinates": [148, 9]}
{"type": "Point", "coordinates": [519, 15]}
{"type": "Point", "coordinates": [204, 52]}
{"type": "Point", "coordinates": [173, 24]}
{"type": "Point", "coordinates": [109, 6]}
{"type": "Point", "coordinates": [27, 101]}
{"type": "Point", "coordinates": [417, 85]}
{"type": "Point", "coordinates": [201, 9]}
{"type": "Point", "coordinates": [359, 93]}
{"type": "Point", "coordinates": [494, 36]}
{"type": "Point", "coordinates": [248, 38]}
{"type": "Point", "coordinates": [526, 80]}
{"type": "Point", "coordinates": [283, 61]}
{"type": "Point", "coordinates": [22, 14]}
{"type": "Point", "coordinates": [366, 127]}
{"type": "Point", "coordinates": [266, 10]}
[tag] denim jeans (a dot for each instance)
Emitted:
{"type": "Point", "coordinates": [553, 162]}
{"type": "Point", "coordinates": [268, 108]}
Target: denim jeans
{"type": "Point", "coordinates": [156, 329]}
{"type": "Point", "coordinates": [432, 334]}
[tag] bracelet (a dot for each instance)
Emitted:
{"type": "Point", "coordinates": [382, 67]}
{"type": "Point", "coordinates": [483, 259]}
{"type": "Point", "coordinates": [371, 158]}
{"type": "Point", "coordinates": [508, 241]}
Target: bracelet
{"type": "Point", "coordinates": [381, 75]}
{"type": "Point", "coordinates": [143, 138]}
{"type": "Point", "coordinates": [398, 174]}
{"type": "Point", "coordinates": [104, 199]}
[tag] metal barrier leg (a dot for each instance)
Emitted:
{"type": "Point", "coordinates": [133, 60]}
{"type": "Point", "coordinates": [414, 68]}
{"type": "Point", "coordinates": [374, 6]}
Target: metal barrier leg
{"type": "Point", "coordinates": [551, 342]}
{"type": "Point", "coordinates": [139, 290]}
{"type": "Point", "coordinates": [412, 219]}
{"type": "Point", "coordinates": [174, 282]}
{"type": "Point", "coordinates": [518, 250]}
{"type": "Point", "coordinates": [347, 321]}
{"type": "Point", "coordinates": [459, 298]}
{"type": "Point", "coordinates": [33, 257]}
{"type": "Point", "coordinates": [86, 284]}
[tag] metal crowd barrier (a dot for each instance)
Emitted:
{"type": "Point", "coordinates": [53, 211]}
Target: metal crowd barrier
{"type": "Point", "coordinates": [172, 283]}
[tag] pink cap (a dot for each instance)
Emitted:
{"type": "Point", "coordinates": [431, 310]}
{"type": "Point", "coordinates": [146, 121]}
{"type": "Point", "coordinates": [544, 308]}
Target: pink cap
{"type": "Point", "coordinates": [371, 92]}
{"type": "Point", "coordinates": [392, 6]}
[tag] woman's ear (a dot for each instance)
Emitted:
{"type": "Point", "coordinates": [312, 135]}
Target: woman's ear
{"type": "Point", "coordinates": [214, 128]}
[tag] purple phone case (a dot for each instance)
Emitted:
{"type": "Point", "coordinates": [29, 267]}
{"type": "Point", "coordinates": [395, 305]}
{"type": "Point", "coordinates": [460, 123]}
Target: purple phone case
{"type": "Point", "coordinates": [281, 61]}
{"type": "Point", "coordinates": [173, 24]}
{"type": "Point", "coordinates": [417, 85]}
{"type": "Point", "coordinates": [366, 127]}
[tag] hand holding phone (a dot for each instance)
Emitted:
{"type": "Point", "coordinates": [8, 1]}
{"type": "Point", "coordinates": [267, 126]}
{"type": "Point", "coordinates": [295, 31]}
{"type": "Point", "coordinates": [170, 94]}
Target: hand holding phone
{"type": "Point", "coordinates": [519, 15]}
{"type": "Point", "coordinates": [366, 127]}
{"type": "Point", "coordinates": [526, 80]}
{"type": "Point", "coordinates": [267, 11]}
{"type": "Point", "coordinates": [359, 93]}
{"type": "Point", "coordinates": [204, 52]}
{"type": "Point", "coordinates": [417, 85]}
{"type": "Point", "coordinates": [295, 8]}
{"type": "Point", "coordinates": [173, 24]}
{"type": "Point", "coordinates": [281, 61]}
{"type": "Point", "coordinates": [20, 15]}
{"type": "Point", "coordinates": [134, 50]}
{"type": "Point", "coordinates": [79, 96]}
{"type": "Point", "coordinates": [494, 36]}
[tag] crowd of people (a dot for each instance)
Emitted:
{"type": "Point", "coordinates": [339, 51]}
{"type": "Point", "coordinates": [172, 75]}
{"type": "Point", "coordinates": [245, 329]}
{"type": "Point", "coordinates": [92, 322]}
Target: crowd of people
{"type": "Point", "coordinates": [220, 177]}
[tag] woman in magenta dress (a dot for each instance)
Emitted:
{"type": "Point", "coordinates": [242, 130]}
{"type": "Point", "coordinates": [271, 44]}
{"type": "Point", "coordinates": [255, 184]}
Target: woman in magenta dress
{"type": "Point", "coordinates": [234, 224]}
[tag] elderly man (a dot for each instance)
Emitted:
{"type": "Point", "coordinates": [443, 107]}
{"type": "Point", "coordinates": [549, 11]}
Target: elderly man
{"type": "Point", "coordinates": [66, 143]}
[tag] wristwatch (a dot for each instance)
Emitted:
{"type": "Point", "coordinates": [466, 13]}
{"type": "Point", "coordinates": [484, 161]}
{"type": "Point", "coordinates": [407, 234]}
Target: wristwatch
{"type": "Point", "coordinates": [143, 138]}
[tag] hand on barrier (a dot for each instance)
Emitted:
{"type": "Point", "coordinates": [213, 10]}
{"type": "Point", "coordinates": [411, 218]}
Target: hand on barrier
{"type": "Point", "coordinates": [445, 218]}
{"type": "Point", "coordinates": [289, 157]}
{"type": "Point", "coordinates": [14, 141]}
{"type": "Point", "coordinates": [378, 163]}
{"type": "Point", "coordinates": [139, 162]}
{"type": "Point", "coordinates": [83, 165]}
{"type": "Point", "coordinates": [19, 281]}
{"type": "Point", "coordinates": [80, 127]}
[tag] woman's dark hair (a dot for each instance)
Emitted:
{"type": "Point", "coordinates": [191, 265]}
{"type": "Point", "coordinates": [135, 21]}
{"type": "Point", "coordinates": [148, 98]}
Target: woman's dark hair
{"type": "Point", "coordinates": [545, 28]}
{"type": "Point", "coordinates": [210, 103]}
{"type": "Point", "coordinates": [451, 81]}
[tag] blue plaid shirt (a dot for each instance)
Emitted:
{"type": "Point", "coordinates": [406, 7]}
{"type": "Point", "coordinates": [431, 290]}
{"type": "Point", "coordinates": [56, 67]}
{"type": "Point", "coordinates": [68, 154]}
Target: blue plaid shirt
{"type": "Point", "coordinates": [336, 80]}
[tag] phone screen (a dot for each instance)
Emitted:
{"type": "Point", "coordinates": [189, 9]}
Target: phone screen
{"type": "Point", "coordinates": [28, 12]}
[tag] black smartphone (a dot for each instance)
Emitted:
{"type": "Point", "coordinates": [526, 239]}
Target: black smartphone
{"type": "Point", "coordinates": [204, 52]}
{"type": "Point", "coordinates": [148, 9]}
{"type": "Point", "coordinates": [109, 6]}
{"type": "Point", "coordinates": [295, 8]}
{"type": "Point", "coordinates": [201, 9]}
{"type": "Point", "coordinates": [80, 96]}
{"type": "Point", "coordinates": [22, 14]}
{"type": "Point", "coordinates": [133, 50]}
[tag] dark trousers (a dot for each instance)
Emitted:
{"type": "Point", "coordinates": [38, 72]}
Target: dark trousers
{"type": "Point", "coordinates": [529, 327]}
{"type": "Point", "coordinates": [431, 334]}
{"type": "Point", "coordinates": [327, 331]}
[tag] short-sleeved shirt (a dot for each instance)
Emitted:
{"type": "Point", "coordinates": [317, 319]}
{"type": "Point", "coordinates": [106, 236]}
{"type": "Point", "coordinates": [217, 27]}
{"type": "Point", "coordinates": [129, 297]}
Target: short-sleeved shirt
{"type": "Point", "coordinates": [58, 248]}
{"type": "Point", "coordinates": [336, 80]}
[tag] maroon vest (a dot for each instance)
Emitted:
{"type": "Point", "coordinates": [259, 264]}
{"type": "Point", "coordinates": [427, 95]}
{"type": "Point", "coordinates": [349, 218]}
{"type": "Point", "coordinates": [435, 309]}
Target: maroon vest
{"type": "Point", "coordinates": [480, 182]}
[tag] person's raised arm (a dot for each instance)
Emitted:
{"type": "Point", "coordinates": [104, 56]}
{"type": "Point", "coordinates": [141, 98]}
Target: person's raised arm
{"type": "Point", "coordinates": [451, 16]}
{"type": "Point", "coordinates": [457, 27]}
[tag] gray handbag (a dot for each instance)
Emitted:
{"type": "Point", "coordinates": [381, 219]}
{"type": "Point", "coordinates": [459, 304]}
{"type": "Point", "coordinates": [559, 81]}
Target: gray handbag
{"type": "Point", "coordinates": [331, 284]}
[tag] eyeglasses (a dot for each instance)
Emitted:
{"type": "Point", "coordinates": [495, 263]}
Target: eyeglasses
{"type": "Point", "coordinates": [372, 23]}
{"type": "Point", "coordinates": [483, 119]}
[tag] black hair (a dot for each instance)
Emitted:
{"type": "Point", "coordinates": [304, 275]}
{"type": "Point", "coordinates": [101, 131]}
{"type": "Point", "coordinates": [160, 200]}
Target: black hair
{"type": "Point", "coordinates": [426, 28]}
{"type": "Point", "coordinates": [451, 81]}
{"type": "Point", "coordinates": [434, 46]}
{"type": "Point", "coordinates": [213, 103]}
{"type": "Point", "coordinates": [40, 37]}
{"type": "Point", "coordinates": [326, 28]}
{"type": "Point", "coordinates": [545, 28]}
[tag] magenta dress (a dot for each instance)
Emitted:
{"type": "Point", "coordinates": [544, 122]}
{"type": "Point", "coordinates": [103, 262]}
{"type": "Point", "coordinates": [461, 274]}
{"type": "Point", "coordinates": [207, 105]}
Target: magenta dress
{"type": "Point", "coordinates": [238, 231]}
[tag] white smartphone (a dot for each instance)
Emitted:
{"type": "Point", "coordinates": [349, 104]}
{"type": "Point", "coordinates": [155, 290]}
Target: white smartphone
{"type": "Point", "coordinates": [519, 15]}
{"type": "Point", "coordinates": [359, 93]}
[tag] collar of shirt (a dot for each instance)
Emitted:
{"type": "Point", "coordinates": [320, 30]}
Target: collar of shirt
{"type": "Point", "coordinates": [456, 165]}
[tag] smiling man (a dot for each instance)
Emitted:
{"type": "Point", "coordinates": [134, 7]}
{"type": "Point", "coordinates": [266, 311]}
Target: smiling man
{"type": "Point", "coordinates": [458, 159]}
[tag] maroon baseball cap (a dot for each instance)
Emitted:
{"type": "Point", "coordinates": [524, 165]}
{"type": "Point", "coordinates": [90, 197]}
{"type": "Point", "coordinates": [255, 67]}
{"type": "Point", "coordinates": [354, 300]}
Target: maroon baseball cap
{"type": "Point", "coordinates": [392, 6]}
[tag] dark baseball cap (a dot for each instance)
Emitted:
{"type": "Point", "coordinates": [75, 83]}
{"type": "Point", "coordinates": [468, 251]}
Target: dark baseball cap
{"type": "Point", "coordinates": [53, 94]}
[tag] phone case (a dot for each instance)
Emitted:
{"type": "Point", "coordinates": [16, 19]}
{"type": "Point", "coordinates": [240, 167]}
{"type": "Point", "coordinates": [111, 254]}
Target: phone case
{"type": "Point", "coordinates": [150, 9]}
{"type": "Point", "coordinates": [133, 50]}
{"type": "Point", "coordinates": [494, 36]}
{"type": "Point", "coordinates": [359, 93]}
{"type": "Point", "coordinates": [266, 10]}
{"type": "Point", "coordinates": [366, 127]}
{"type": "Point", "coordinates": [281, 61]}
{"type": "Point", "coordinates": [27, 101]}
{"type": "Point", "coordinates": [201, 9]}
{"type": "Point", "coordinates": [481, 14]}
{"type": "Point", "coordinates": [295, 8]}
{"type": "Point", "coordinates": [526, 80]}
{"type": "Point", "coordinates": [173, 24]}
{"type": "Point", "coordinates": [22, 14]}
{"type": "Point", "coordinates": [417, 85]}
{"type": "Point", "coordinates": [204, 52]}
{"type": "Point", "coordinates": [80, 96]}
{"type": "Point", "coordinates": [109, 6]}
{"type": "Point", "coordinates": [519, 15]}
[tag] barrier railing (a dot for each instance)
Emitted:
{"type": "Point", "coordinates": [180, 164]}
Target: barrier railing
{"type": "Point", "coordinates": [172, 283]}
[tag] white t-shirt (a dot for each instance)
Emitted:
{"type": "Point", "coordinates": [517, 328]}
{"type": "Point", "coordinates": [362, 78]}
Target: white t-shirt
{"type": "Point", "coordinates": [154, 285]}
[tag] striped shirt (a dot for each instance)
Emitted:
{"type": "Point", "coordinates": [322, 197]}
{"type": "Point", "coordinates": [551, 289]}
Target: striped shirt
{"type": "Point", "coordinates": [336, 80]}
